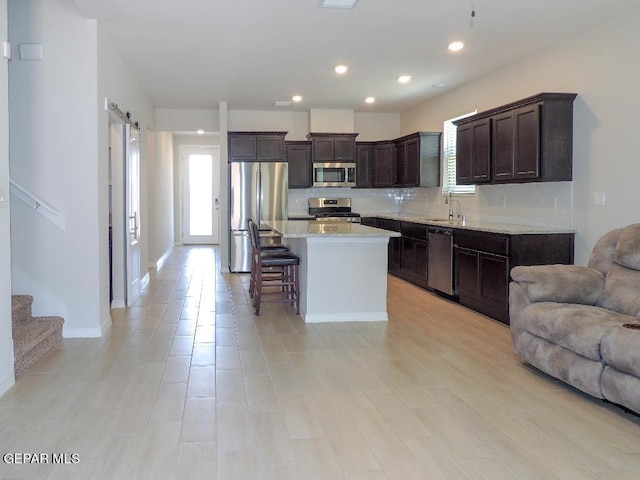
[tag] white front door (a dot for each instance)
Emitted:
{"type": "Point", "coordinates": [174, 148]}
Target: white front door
{"type": "Point", "coordinates": [200, 167]}
{"type": "Point", "coordinates": [132, 209]}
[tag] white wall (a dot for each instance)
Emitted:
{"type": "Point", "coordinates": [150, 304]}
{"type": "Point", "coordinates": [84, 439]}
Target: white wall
{"type": "Point", "coordinates": [59, 152]}
{"type": "Point", "coordinates": [6, 343]}
{"type": "Point", "coordinates": [377, 126]}
{"type": "Point", "coordinates": [161, 210]}
{"type": "Point", "coordinates": [601, 66]}
{"type": "Point", "coordinates": [54, 139]}
{"type": "Point", "coordinates": [117, 84]}
{"type": "Point", "coordinates": [295, 123]}
{"type": "Point", "coordinates": [369, 126]}
{"type": "Point", "coordinates": [177, 120]}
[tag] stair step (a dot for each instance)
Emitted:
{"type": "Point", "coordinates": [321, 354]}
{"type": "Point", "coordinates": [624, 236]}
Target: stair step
{"type": "Point", "coordinates": [21, 308]}
{"type": "Point", "coordinates": [33, 337]}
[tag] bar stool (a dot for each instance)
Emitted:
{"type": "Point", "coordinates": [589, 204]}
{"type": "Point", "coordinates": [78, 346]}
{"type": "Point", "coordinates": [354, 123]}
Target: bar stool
{"type": "Point", "coordinates": [264, 249]}
{"type": "Point", "coordinates": [274, 269]}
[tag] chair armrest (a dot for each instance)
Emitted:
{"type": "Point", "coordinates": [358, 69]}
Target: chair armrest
{"type": "Point", "coordinates": [559, 283]}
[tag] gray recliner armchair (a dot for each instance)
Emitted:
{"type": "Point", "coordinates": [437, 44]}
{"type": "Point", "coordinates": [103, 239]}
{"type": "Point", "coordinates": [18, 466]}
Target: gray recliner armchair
{"type": "Point", "coordinates": [580, 324]}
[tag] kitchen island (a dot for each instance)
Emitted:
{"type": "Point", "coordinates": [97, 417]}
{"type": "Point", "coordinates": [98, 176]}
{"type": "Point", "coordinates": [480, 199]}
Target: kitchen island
{"type": "Point", "coordinates": [343, 269]}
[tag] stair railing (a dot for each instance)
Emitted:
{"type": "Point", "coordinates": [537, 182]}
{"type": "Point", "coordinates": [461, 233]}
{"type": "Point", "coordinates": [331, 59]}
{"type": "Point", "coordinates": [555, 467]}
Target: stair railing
{"type": "Point", "coordinates": [38, 205]}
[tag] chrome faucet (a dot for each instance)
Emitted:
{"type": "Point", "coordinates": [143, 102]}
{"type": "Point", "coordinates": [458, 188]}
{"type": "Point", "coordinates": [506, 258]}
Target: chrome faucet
{"type": "Point", "coordinates": [449, 201]}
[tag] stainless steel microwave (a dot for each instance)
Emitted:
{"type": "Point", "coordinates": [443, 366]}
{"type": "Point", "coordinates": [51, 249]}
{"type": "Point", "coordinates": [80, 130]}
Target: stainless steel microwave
{"type": "Point", "coordinates": [334, 174]}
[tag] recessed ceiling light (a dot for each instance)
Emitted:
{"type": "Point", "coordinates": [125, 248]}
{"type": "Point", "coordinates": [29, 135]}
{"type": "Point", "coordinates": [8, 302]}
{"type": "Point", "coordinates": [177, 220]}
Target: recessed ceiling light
{"type": "Point", "coordinates": [404, 78]}
{"type": "Point", "coordinates": [200, 132]}
{"type": "Point", "coordinates": [296, 98]}
{"type": "Point", "coordinates": [456, 46]}
{"type": "Point", "coordinates": [338, 3]}
{"type": "Point", "coordinates": [340, 69]}
{"type": "Point", "coordinates": [370, 99]}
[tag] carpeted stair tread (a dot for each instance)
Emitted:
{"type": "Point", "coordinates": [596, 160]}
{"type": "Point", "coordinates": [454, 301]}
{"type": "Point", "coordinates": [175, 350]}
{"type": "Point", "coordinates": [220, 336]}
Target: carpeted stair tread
{"type": "Point", "coordinates": [21, 308]}
{"type": "Point", "coordinates": [32, 337]}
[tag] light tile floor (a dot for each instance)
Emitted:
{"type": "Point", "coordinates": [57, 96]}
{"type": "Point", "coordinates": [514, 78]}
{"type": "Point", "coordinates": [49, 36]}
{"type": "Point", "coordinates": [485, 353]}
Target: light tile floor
{"type": "Point", "coordinates": [188, 384]}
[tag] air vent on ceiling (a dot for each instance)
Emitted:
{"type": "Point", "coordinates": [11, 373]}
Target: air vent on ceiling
{"type": "Point", "coordinates": [338, 3]}
{"type": "Point", "coordinates": [284, 103]}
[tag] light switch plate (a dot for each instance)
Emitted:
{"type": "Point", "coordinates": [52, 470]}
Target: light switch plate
{"type": "Point", "coordinates": [3, 199]}
{"type": "Point", "coordinates": [31, 51]}
{"type": "Point", "coordinates": [598, 198]}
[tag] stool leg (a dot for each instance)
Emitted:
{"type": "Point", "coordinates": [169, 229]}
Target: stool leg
{"type": "Point", "coordinates": [252, 275]}
{"type": "Point", "coordinates": [258, 287]}
{"type": "Point", "coordinates": [289, 282]}
{"type": "Point", "coordinates": [296, 287]}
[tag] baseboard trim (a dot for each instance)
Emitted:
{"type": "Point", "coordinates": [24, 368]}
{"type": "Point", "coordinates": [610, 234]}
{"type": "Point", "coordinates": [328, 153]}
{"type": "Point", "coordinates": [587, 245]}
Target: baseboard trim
{"type": "Point", "coordinates": [82, 332]}
{"type": "Point", "coordinates": [345, 317]}
{"type": "Point", "coordinates": [160, 263]}
{"type": "Point", "coordinates": [6, 383]}
{"type": "Point", "coordinates": [144, 280]}
{"type": "Point", "coordinates": [118, 304]}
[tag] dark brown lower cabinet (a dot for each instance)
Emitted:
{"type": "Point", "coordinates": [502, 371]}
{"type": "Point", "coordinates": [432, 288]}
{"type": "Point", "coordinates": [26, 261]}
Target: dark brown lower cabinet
{"type": "Point", "coordinates": [408, 254]}
{"type": "Point", "coordinates": [415, 253]}
{"type": "Point", "coordinates": [482, 281]}
{"type": "Point", "coordinates": [483, 262]}
{"type": "Point", "coordinates": [395, 245]}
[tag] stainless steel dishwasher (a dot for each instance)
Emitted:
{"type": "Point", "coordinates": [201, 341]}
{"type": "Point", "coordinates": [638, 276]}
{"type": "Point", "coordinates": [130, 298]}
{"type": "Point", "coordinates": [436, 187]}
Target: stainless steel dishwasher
{"type": "Point", "coordinates": [440, 270]}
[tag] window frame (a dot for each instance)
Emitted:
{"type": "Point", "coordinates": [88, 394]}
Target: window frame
{"type": "Point", "coordinates": [449, 159]}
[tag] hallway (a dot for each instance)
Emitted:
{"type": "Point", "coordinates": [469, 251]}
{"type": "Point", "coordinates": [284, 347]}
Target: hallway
{"type": "Point", "coordinates": [188, 384]}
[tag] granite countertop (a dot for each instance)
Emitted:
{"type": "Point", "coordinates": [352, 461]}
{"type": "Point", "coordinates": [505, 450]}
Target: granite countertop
{"type": "Point", "coordinates": [306, 229]}
{"type": "Point", "coordinates": [479, 225]}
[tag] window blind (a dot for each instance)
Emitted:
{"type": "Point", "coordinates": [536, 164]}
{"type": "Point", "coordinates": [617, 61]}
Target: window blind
{"type": "Point", "coordinates": [449, 160]}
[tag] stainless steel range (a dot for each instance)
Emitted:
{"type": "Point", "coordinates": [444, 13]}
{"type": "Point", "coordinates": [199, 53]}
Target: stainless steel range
{"type": "Point", "coordinates": [332, 210]}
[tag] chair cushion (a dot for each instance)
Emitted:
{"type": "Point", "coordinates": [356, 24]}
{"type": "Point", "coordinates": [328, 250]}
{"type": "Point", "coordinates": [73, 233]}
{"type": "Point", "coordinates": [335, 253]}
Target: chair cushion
{"type": "Point", "coordinates": [559, 283]}
{"type": "Point", "coordinates": [279, 259]}
{"type": "Point", "coordinates": [578, 328]}
{"type": "Point", "coordinates": [604, 250]}
{"type": "Point", "coordinates": [621, 292]}
{"type": "Point", "coordinates": [266, 249]}
{"type": "Point", "coordinates": [628, 247]}
{"type": "Point", "coordinates": [620, 348]}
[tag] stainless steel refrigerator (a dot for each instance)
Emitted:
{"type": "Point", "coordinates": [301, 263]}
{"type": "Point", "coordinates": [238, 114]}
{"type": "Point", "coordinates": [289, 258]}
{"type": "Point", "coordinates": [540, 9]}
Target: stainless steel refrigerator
{"type": "Point", "coordinates": [258, 191]}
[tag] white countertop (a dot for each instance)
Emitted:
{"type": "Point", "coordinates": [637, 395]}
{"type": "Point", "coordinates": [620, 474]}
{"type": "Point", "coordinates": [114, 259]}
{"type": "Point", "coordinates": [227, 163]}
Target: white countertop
{"type": "Point", "coordinates": [492, 227]}
{"type": "Point", "coordinates": [306, 229]}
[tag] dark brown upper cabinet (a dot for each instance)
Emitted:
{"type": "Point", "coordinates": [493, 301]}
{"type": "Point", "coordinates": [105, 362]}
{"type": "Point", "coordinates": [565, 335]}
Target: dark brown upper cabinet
{"type": "Point", "coordinates": [473, 152]}
{"type": "Point", "coordinates": [364, 163]}
{"type": "Point", "coordinates": [409, 161]}
{"type": "Point", "coordinates": [333, 147]}
{"type": "Point", "coordinates": [530, 140]}
{"type": "Point", "coordinates": [298, 155]}
{"type": "Point", "coordinates": [418, 160]}
{"type": "Point", "coordinates": [383, 167]}
{"type": "Point", "coordinates": [256, 146]}
{"type": "Point", "coordinates": [516, 145]}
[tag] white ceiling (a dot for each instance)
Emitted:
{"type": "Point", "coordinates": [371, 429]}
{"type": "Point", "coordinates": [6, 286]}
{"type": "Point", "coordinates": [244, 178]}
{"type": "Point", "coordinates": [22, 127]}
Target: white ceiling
{"type": "Point", "coordinates": [250, 53]}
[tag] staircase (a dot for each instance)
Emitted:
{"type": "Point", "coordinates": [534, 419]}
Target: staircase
{"type": "Point", "coordinates": [32, 337]}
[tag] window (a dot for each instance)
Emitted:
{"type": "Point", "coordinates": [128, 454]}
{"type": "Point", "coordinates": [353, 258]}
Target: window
{"type": "Point", "coordinates": [449, 160]}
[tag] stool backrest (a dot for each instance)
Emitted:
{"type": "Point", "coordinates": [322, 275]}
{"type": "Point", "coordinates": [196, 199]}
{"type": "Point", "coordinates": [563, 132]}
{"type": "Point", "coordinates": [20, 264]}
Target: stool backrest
{"type": "Point", "coordinates": [254, 234]}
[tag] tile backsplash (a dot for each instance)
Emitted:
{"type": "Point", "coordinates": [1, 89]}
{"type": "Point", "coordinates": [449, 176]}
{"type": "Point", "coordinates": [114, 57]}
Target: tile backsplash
{"type": "Point", "coordinates": [545, 204]}
{"type": "Point", "coordinates": [363, 200]}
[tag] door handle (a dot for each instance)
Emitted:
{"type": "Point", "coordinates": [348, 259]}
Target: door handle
{"type": "Point", "coordinates": [133, 229]}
